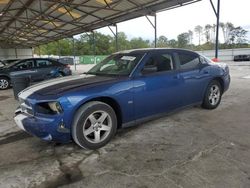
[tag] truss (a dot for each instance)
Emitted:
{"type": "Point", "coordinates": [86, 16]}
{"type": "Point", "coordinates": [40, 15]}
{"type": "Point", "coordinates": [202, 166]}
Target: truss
{"type": "Point", "coordinates": [29, 23]}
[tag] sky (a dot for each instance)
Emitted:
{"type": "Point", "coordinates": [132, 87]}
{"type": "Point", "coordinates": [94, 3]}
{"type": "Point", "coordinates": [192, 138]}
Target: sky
{"type": "Point", "coordinates": [179, 20]}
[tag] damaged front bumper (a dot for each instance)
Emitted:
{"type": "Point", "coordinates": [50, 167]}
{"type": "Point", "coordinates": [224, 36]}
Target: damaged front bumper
{"type": "Point", "coordinates": [50, 128]}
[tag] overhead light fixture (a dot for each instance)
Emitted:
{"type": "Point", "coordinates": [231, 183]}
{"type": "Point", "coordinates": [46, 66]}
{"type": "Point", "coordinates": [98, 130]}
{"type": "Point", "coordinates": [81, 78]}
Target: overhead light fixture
{"type": "Point", "coordinates": [67, 12]}
{"type": "Point", "coordinates": [42, 30]}
{"type": "Point", "coordinates": [104, 2]}
{"type": "Point", "coordinates": [23, 39]}
{"type": "Point", "coordinates": [4, 2]}
{"type": "Point", "coordinates": [51, 23]}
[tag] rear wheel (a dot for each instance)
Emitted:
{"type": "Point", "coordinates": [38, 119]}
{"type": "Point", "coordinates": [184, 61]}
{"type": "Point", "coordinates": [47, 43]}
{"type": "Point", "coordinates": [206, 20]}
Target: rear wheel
{"type": "Point", "coordinates": [4, 83]}
{"type": "Point", "coordinates": [212, 96]}
{"type": "Point", "coordinates": [94, 125]}
{"type": "Point", "coordinates": [60, 74]}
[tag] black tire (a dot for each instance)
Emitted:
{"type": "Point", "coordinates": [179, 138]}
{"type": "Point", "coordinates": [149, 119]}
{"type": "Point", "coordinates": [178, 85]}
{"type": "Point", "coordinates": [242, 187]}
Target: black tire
{"type": "Point", "coordinates": [211, 101]}
{"type": "Point", "coordinates": [4, 83]}
{"type": "Point", "coordinates": [82, 120]}
{"type": "Point", "coordinates": [60, 74]}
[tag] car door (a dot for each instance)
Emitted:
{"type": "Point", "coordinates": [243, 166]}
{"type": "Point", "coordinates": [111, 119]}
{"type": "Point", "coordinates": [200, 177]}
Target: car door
{"type": "Point", "coordinates": [24, 68]}
{"type": "Point", "coordinates": [157, 86]}
{"type": "Point", "coordinates": [44, 69]}
{"type": "Point", "coordinates": [194, 77]}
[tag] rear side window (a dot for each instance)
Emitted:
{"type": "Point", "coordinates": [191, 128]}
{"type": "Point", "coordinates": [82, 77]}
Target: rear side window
{"type": "Point", "coordinates": [43, 63]}
{"type": "Point", "coordinates": [189, 61]}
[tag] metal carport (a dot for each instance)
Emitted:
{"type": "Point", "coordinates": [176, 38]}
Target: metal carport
{"type": "Point", "coordinates": [29, 23]}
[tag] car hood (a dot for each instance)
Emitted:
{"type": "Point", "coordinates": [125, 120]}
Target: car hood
{"type": "Point", "coordinates": [60, 85]}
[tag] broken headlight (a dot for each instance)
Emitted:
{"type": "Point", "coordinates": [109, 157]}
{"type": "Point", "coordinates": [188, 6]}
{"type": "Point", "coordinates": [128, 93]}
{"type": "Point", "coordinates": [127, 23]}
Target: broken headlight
{"type": "Point", "coordinates": [51, 108]}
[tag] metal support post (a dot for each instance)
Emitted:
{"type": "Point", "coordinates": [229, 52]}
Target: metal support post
{"type": "Point", "coordinates": [94, 45]}
{"type": "Point", "coordinates": [115, 33]}
{"type": "Point", "coordinates": [217, 14]}
{"type": "Point", "coordinates": [116, 37]}
{"type": "Point", "coordinates": [16, 53]}
{"type": "Point", "coordinates": [59, 49]}
{"type": "Point", "coordinates": [154, 25]}
{"type": "Point", "coordinates": [32, 49]}
{"type": "Point", "coordinates": [39, 51]}
{"type": "Point", "coordinates": [74, 54]}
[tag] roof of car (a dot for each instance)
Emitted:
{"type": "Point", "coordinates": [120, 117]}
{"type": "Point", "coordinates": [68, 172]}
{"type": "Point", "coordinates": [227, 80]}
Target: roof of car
{"type": "Point", "coordinates": [145, 50]}
{"type": "Point", "coordinates": [45, 58]}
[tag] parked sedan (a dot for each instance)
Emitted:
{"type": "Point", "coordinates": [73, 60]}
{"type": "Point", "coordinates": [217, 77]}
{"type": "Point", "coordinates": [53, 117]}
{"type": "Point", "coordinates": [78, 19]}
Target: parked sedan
{"type": "Point", "coordinates": [36, 68]}
{"type": "Point", "coordinates": [1, 63]}
{"type": "Point", "coordinates": [126, 88]}
{"type": "Point", "coordinates": [7, 62]}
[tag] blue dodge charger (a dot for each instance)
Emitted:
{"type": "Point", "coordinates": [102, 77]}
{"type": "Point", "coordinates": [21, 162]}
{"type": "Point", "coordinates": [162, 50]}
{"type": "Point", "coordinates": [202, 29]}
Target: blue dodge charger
{"type": "Point", "coordinates": [126, 88]}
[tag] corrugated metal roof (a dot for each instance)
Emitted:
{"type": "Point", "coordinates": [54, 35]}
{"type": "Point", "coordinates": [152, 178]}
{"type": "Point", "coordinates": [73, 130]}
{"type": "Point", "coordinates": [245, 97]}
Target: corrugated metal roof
{"type": "Point", "coordinates": [28, 23]}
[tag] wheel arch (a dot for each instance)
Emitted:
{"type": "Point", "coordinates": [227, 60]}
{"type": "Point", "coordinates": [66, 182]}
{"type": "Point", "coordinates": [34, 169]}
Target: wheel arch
{"type": "Point", "coordinates": [221, 81]}
{"type": "Point", "coordinates": [111, 102]}
{"type": "Point", "coordinates": [61, 71]}
{"type": "Point", "coordinates": [5, 76]}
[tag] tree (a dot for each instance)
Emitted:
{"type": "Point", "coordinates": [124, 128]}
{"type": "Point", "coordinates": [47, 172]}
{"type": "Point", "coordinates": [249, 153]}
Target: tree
{"type": "Point", "coordinates": [207, 32]}
{"type": "Point", "coordinates": [123, 42]}
{"type": "Point", "coordinates": [173, 43]}
{"type": "Point", "coordinates": [198, 30]}
{"type": "Point", "coordinates": [190, 36]}
{"type": "Point", "coordinates": [162, 41]}
{"type": "Point", "coordinates": [222, 26]}
{"type": "Point", "coordinates": [139, 43]}
{"type": "Point", "coordinates": [237, 35]}
{"type": "Point", "coordinates": [183, 40]}
{"type": "Point", "coordinates": [226, 32]}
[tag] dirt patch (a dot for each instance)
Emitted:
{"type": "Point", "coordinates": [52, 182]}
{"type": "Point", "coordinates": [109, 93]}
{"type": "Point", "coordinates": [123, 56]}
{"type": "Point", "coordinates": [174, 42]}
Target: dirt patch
{"type": "Point", "coordinates": [4, 98]}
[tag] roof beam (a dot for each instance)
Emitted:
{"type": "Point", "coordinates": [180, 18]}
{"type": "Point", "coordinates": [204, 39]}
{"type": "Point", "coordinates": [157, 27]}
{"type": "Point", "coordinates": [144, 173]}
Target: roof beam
{"type": "Point", "coordinates": [27, 4]}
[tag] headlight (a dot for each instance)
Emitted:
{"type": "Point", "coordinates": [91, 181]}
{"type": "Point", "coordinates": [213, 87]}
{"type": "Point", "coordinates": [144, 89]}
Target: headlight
{"type": "Point", "coordinates": [49, 108]}
{"type": "Point", "coordinates": [56, 107]}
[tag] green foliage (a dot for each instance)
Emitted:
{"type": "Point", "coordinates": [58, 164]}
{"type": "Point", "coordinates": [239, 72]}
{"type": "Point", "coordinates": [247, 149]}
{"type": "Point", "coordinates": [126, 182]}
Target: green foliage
{"type": "Point", "coordinates": [183, 40]}
{"type": "Point", "coordinates": [100, 44]}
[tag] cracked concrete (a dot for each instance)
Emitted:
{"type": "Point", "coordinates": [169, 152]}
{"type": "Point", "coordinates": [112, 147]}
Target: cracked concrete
{"type": "Point", "coordinates": [190, 148]}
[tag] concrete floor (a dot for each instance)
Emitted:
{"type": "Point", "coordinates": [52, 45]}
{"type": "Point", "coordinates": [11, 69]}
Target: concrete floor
{"type": "Point", "coordinates": [190, 148]}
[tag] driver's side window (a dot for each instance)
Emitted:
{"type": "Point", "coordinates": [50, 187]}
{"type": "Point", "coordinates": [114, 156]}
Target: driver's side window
{"type": "Point", "coordinates": [25, 65]}
{"type": "Point", "coordinates": [158, 63]}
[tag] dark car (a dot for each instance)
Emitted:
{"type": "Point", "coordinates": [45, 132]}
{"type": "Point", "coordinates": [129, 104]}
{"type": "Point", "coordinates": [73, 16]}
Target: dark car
{"type": "Point", "coordinates": [7, 62]}
{"type": "Point", "coordinates": [2, 63]}
{"type": "Point", "coordinates": [124, 89]}
{"type": "Point", "coordinates": [37, 69]}
{"type": "Point", "coordinates": [242, 58]}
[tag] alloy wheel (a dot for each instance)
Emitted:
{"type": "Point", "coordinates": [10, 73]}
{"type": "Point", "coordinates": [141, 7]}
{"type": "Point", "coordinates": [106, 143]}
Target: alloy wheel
{"type": "Point", "coordinates": [214, 96]}
{"type": "Point", "coordinates": [97, 126]}
{"type": "Point", "coordinates": [4, 83]}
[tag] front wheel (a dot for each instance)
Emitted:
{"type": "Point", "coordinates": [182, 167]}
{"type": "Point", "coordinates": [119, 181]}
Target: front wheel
{"type": "Point", "coordinates": [95, 123]}
{"type": "Point", "coordinates": [212, 96]}
{"type": "Point", "coordinates": [4, 83]}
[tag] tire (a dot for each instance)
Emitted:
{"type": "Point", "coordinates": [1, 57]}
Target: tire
{"type": "Point", "coordinates": [4, 83]}
{"type": "Point", "coordinates": [60, 74]}
{"type": "Point", "coordinates": [213, 95]}
{"type": "Point", "coordinates": [94, 125]}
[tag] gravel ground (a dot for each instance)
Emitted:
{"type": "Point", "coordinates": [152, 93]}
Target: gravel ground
{"type": "Point", "coordinates": [190, 148]}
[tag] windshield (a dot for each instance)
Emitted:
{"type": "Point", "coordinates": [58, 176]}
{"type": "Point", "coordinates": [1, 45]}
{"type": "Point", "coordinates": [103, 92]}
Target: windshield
{"type": "Point", "coordinates": [8, 65]}
{"type": "Point", "coordinates": [206, 59]}
{"type": "Point", "coordinates": [116, 65]}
